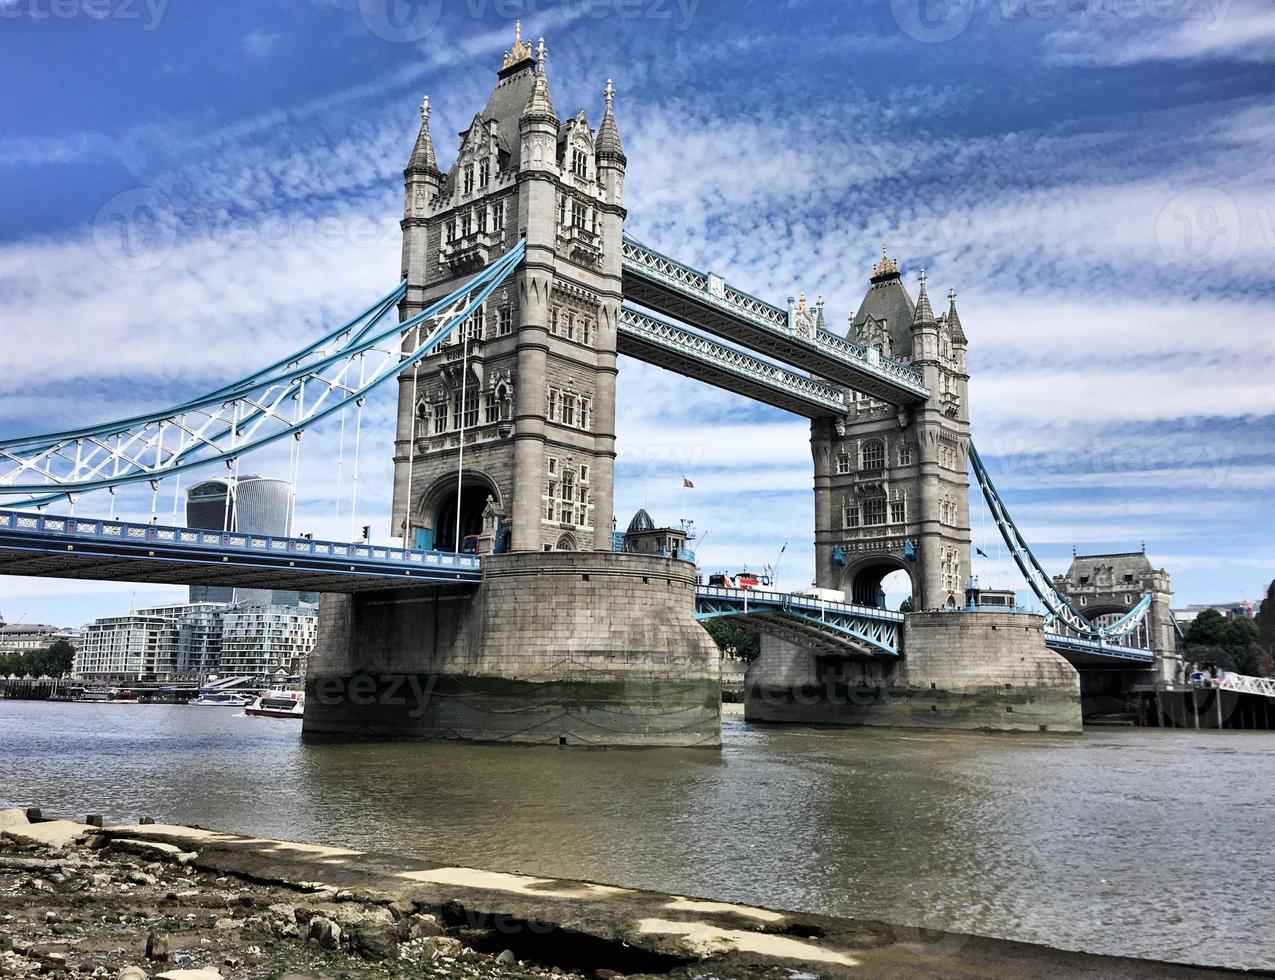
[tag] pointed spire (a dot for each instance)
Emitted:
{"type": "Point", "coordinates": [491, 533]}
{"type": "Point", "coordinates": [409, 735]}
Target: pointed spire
{"type": "Point", "coordinates": [923, 313]}
{"type": "Point", "coordinates": [609, 145]}
{"type": "Point", "coordinates": [540, 104]}
{"type": "Point", "coordinates": [954, 321]}
{"type": "Point", "coordinates": [520, 52]}
{"type": "Point", "coordinates": [820, 321]}
{"type": "Point", "coordinates": [423, 157]}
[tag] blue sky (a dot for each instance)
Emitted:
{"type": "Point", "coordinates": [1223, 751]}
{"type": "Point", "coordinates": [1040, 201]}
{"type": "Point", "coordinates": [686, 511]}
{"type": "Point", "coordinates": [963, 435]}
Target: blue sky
{"type": "Point", "coordinates": [1094, 178]}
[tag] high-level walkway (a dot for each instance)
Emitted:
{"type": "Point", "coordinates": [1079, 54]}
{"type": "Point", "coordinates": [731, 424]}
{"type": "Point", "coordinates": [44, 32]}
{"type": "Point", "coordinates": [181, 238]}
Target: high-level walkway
{"type": "Point", "coordinates": [703, 300]}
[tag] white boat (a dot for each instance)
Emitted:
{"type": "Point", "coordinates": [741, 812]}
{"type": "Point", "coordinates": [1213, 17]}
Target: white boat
{"type": "Point", "coordinates": [277, 704]}
{"type": "Point", "coordinates": [224, 699]}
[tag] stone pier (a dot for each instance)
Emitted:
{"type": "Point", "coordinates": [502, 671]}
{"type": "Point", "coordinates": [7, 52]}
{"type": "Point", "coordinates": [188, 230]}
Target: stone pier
{"type": "Point", "coordinates": [573, 648]}
{"type": "Point", "coordinates": [987, 671]}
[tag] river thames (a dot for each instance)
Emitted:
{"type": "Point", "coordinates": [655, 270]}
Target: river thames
{"type": "Point", "coordinates": [1127, 841]}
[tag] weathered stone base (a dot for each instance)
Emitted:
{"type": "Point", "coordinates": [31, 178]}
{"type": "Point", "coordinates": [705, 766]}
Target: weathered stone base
{"type": "Point", "coordinates": [987, 671]}
{"type": "Point", "coordinates": [561, 648]}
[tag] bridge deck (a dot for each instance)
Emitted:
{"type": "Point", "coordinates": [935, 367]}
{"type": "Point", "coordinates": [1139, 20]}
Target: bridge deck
{"type": "Point", "coordinates": [703, 300]}
{"type": "Point", "coordinates": [119, 551]}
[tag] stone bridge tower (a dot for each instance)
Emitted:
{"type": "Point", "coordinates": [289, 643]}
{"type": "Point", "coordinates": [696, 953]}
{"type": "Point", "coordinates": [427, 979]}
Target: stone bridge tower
{"type": "Point", "coordinates": [1105, 587]}
{"type": "Point", "coordinates": [891, 485]}
{"type": "Point", "coordinates": [529, 384]}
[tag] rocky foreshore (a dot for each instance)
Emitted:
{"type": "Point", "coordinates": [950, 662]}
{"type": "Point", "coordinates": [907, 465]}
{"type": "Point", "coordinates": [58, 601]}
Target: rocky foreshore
{"type": "Point", "coordinates": [179, 903]}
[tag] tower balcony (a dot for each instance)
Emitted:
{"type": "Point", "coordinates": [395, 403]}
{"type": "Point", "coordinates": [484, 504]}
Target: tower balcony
{"type": "Point", "coordinates": [472, 251]}
{"type": "Point", "coordinates": [583, 246]}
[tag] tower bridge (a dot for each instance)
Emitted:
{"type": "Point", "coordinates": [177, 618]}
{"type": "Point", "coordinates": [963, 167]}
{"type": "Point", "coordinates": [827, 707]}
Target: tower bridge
{"type": "Point", "coordinates": [518, 289]}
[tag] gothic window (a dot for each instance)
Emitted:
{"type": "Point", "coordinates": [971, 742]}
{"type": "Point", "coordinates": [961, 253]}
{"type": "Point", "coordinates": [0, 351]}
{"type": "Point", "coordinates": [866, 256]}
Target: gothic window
{"type": "Point", "coordinates": [469, 179]}
{"type": "Point", "coordinates": [451, 230]}
{"type": "Point", "coordinates": [498, 216]}
{"type": "Point", "coordinates": [580, 163]}
{"type": "Point", "coordinates": [553, 465]}
{"type": "Point", "coordinates": [505, 317]}
{"type": "Point", "coordinates": [874, 512]}
{"type": "Point", "coordinates": [550, 504]}
{"type": "Point", "coordinates": [484, 173]}
{"type": "Point", "coordinates": [593, 221]}
{"type": "Point", "coordinates": [905, 454]}
{"type": "Point", "coordinates": [584, 473]}
{"type": "Point", "coordinates": [562, 209]}
{"type": "Point", "coordinates": [554, 314]}
{"type": "Point", "coordinates": [851, 517]}
{"type": "Point", "coordinates": [843, 463]}
{"type": "Point", "coordinates": [568, 410]}
{"type": "Point", "coordinates": [569, 325]}
{"type": "Point", "coordinates": [468, 416]}
{"type": "Point", "coordinates": [482, 220]}
{"type": "Point", "coordinates": [568, 486]}
{"type": "Point", "coordinates": [898, 511]}
{"type": "Point", "coordinates": [873, 455]}
{"type": "Point", "coordinates": [492, 408]}
{"type": "Point", "coordinates": [440, 417]}
{"type": "Point", "coordinates": [466, 224]}
{"type": "Point", "coordinates": [578, 215]}
{"type": "Point", "coordinates": [586, 330]}
{"type": "Point", "coordinates": [584, 414]}
{"type": "Point", "coordinates": [551, 409]}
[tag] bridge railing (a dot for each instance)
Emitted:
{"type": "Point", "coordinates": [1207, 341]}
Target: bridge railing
{"type": "Point", "coordinates": [88, 529]}
{"type": "Point", "coordinates": [789, 600]}
{"type": "Point", "coordinates": [1103, 648]}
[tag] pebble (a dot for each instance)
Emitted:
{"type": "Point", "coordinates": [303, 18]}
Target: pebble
{"type": "Point", "coordinates": [507, 958]}
{"type": "Point", "coordinates": [131, 973]}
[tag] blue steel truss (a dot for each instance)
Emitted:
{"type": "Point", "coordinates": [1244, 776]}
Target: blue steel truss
{"type": "Point", "coordinates": [279, 402]}
{"type": "Point", "coordinates": [840, 627]}
{"type": "Point", "coordinates": [89, 548]}
{"type": "Point", "coordinates": [1062, 612]}
{"type": "Point", "coordinates": [705, 301]}
{"type": "Point", "coordinates": [669, 346]}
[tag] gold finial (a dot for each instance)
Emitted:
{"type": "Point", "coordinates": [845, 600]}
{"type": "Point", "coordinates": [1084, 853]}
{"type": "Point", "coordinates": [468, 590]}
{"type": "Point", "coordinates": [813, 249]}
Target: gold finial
{"type": "Point", "coordinates": [520, 51]}
{"type": "Point", "coordinates": [425, 108]}
{"type": "Point", "coordinates": [609, 93]}
{"type": "Point", "coordinates": [886, 267]}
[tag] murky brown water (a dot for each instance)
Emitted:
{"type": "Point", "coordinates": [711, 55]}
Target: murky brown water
{"type": "Point", "coordinates": [1140, 842]}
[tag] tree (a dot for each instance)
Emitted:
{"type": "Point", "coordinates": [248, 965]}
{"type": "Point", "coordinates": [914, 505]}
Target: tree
{"type": "Point", "coordinates": [733, 639]}
{"type": "Point", "coordinates": [906, 605]}
{"type": "Point", "coordinates": [1227, 644]}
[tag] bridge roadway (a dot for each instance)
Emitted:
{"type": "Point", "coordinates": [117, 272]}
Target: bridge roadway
{"type": "Point", "coordinates": [89, 548]}
{"type": "Point", "coordinates": [703, 300]}
{"type": "Point", "coordinates": [849, 629]}
{"type": "Point", "coordinates": [119, 551]}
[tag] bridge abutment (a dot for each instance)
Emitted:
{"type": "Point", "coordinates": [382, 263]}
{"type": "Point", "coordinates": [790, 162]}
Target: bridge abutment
{"type": "Point", "coordinates": [573, 648]}
{"type": "Point", "coordinates": [984, 671]}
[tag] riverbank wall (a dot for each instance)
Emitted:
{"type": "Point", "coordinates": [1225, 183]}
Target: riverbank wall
{"type": "Point", "coordinates": [151, 899]}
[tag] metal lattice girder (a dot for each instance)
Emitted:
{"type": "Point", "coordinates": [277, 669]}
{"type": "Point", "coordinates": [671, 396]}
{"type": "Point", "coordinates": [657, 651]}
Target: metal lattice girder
{"type": "Point", "coordinates": [1096, 651]}
{"type": "Point", "coordinates": [837, 627]}
{"type": "Point", "coordinates": [1244, 684]}
{"type": "Point", "coordinates": [279, 402]}
{"type": "Point", "coordinates": [666, 345]}
{"type": "Point", "coordinates": [1062, 612]}
{"type": "Point", "coordinates": [705, 301]}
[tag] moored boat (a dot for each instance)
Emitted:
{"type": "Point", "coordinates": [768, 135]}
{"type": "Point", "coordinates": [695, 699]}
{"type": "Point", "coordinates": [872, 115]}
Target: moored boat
{"type": "Point", "coordinates": [277, 704]}
{"type": "Point", "coordinates": [222, 699]}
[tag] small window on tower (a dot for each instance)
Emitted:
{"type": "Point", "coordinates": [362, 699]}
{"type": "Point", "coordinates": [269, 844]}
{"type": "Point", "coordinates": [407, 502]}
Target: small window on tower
{"type": "Point", "coordinates": [506, 320]}
{"type": "Point", "coordinates": [484, 173]}
{"type": "Point", "coordinates": [469, 179]}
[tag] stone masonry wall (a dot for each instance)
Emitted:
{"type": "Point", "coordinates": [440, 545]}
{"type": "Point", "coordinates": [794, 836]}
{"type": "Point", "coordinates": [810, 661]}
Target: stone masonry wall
{"type": "Point", "coordinates": [566, 647]}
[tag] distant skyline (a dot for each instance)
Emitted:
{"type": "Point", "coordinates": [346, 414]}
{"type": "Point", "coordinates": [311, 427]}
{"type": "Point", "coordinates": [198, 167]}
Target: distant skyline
{"type": "Point", "coordinates": [193, 189]}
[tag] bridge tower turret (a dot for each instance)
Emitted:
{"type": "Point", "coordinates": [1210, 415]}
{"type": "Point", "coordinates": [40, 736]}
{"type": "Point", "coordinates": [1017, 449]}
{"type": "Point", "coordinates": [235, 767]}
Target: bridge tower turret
{"type": "Point", "coordinates": [532, 392]}
{"type": "Point", "coordinates": [892, 491]}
